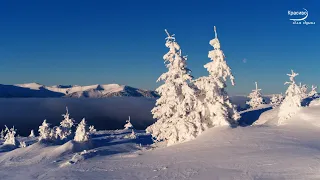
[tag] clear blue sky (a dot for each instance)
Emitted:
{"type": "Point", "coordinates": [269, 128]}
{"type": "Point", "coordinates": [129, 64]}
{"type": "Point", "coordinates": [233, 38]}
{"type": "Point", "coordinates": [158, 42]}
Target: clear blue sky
{"type": "Point", "coordinates": [91, 42]}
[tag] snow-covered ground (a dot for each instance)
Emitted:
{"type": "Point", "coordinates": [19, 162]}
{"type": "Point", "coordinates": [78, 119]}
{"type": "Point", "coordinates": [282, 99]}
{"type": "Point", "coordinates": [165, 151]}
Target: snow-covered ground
{"type": "Point", "coordinates": [251, 152]}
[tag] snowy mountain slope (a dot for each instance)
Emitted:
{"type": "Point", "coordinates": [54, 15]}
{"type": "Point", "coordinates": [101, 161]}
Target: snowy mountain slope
{"type": "Point", "coordinates": [111, 90]}
{"type": "Point", "coordinates": [11, 91]}
{"type": "Point", "coordinates": [92, 91]}
{"type": "Point", "coordinates": [246, 153]}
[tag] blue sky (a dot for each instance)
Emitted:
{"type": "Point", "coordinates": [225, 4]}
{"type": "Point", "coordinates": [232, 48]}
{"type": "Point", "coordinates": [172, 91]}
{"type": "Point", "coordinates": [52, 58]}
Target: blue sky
{"type": "Point", "coordinates": [100, 42]}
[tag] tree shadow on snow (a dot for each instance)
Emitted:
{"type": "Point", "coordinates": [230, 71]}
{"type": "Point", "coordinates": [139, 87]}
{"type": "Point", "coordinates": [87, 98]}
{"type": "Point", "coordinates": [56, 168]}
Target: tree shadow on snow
{"type": "Point", "coordinates": [249, 117]}
{"type": "Point", "coordinates": [102, 146]}
{"type": "Point", "coordinates": [7, 147]}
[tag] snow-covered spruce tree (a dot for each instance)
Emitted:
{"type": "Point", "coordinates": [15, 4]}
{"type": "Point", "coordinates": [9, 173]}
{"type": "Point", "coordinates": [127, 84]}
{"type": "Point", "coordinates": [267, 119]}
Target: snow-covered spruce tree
{"type": "Point", "coordinates": [292, 102]}
{"type": "Point", "coordinates": [217, 110]}
{"type": "Point", "coordinates": [82, 132]}
{"type": "Point", "coordinates": [32, 134]}
{"type": "Point", "coordinates": [64, 130]}
{"type": "Point", "coordinates": [45, 132]}
{"type": "Point", "coordinates": [304, 89]}
{"type": "Point", "coordinates": [255, 98]}
{"type": "Point", "coordinates": [313, 92]}
{"type": "Point", "coordinates": [176, 111]}
{"type": "Point", "coordinates": [10, 136]}
{"type": "Point", "coordinates": [128, 124]}
{"type": "Point", "coordinates": [276, 99]}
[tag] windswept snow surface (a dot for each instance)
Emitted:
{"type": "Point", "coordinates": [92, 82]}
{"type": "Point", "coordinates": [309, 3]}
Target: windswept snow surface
{"type": "Point", "coordinates": [245, 153]}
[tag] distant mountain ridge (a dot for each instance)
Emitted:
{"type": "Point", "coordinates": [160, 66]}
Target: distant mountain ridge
{"type": "Point", "coordinates": [73, 91]}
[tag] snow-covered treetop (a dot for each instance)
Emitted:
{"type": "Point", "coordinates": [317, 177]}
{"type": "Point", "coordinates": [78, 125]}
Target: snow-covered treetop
{"type": "Point", "coordinates": [256, 90]}
{"type": "Point", "coordinates": [293, 89]}
{"type": "Point", "coordinates": [276, 99]}
{"type": "Point", "coordinates": [128, 125]}
{"type": "Point", "coordinates": [313, 91]}
{"type": "Point", "coordinates": [170, 37]}
{"type": "Point", "coordinates": [67, 122]}
{"type": "Point", "coordinates": [291, 77]}
{"type": "Point", "coordinates": [218, 68]}
{"type": "Point", "coordinates": [173, 47]}
{"type": "Point", "coordinates": [215, 42]}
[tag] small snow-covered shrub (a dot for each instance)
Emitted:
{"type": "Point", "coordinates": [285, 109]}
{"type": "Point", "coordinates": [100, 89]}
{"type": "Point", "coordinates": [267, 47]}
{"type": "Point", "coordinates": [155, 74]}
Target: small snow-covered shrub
{"type": "Point", "coordinates": [45, 132]}
{"type": "Point", "coordinates": [2, 134]}
{"type": "Point", "coordinates": [131, 136]}
{"type": "Point", "coordinates": [22, 144]}
{"type": "Point", "coordinates": [82, 132]}
{"type": "Point", "coordinates": [292, 102]}
{"type": "Point", "coordinates": [10, 136]}
{"type": "Point", "coordinates": [92, 129]}
{"type": "Point", "coordinates": [255, 98]}
{"type": "Point", "coordinates": [32, 134]}
{"type": "Point", "coordinates": [276, 99]}
{"type": "Point", "coordinates": [64, 130]}
{"type": "Point", "coordinates": [128, 124]}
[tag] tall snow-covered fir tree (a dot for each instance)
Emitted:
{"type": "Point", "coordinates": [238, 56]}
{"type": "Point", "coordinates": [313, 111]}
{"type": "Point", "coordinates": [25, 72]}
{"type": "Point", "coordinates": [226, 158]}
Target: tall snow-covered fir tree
{"type": "Point", "coordinates": [10, 136]}
{"type": "Point", "coordinates": [276, 99]}
{"type": "Point", "coordinates": [64, 130]}
{"type": "Point", "coordinates": [176, 111]}
{"type": "Point", "coordinates": [255, 98]}
{"type": "Point", "coordinates": [82, 132]}
{"type": "Point", "coordinates": [292, 102]}
{"type": "Point", "coordinates": [313, 92]}
{"type": "Point", "coordinates": [217, 110]}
